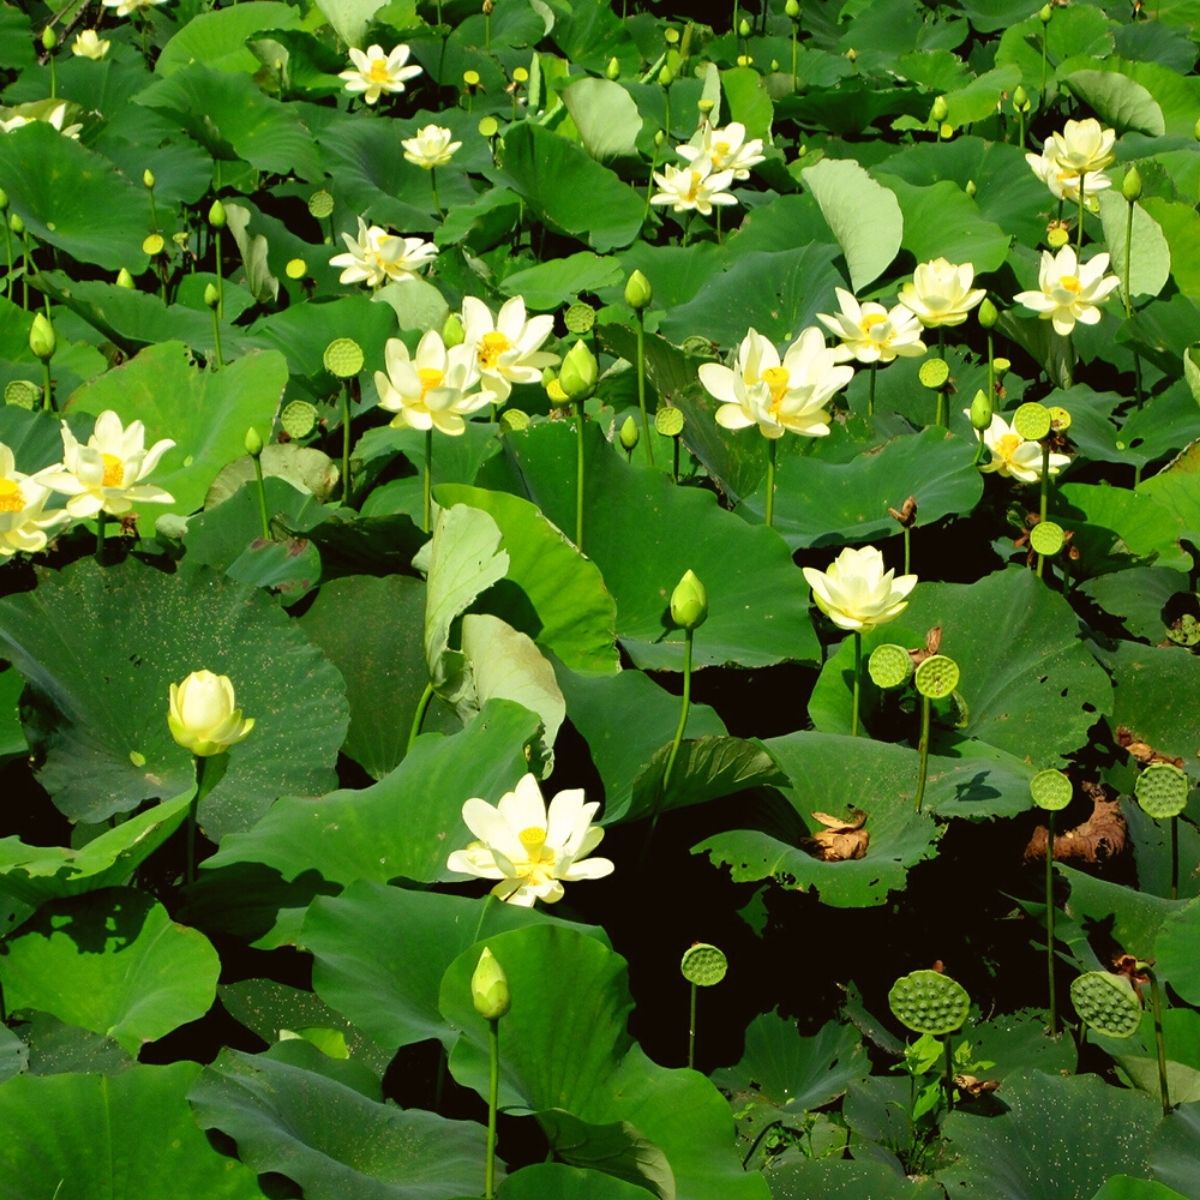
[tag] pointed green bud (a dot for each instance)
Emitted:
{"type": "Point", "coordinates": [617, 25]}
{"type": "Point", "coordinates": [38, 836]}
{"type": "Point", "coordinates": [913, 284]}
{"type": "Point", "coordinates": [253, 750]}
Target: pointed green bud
{"type": "Point", "coordinates": [254, 442]}
{"type": "Point", "coordinates": [988, 316]}
{"type": "Point", "coordinates": [41, 338]}
{"type": "Point", "coordinates": [629, 434]}
{"type": "Point", "coordinates": [212, 297]}
{"type": "Point", "coordinates": [743, 28]}
{"type": "Point", "coordinates": [1044, 14]}
{"type": "Point", "coordinates": [453, 333]}
{"type": "Point", "coordinates": [148, 177]}
{"type": "Point", "coordinates": [613, 70]}
{"type": "Point", "coordinates": [489, 988]}
{"type": "Point", "coordinates": [939, 110]}
{"type": "Point", "coordinates": [1196, 129]}
{"type": "Point", "coordinates": [1131, 185]}
{"type": "Point", "coordinates": [981, 411]}
{"type": "Point", "coordinates": [970, 188]}
{"type": "Point", "coordinates": [216, 215]}
{"type": "Point", "coordinates": [1020, 96]}
{"type": "Point", "coordinates": [124, 279]}
{"type": "Point", "coordinates": [15, 223]}
{"type": "Point", "coordinates": [638, 292]}
{"type": "Point", "coordinates": [579, 372]}
{"type": "Point", "coordinates": [659, 138]}
{"type": "Point", "coordinates": [49, 38]}
{"type": "Point", "coordinates": [666, 77]}
{"type": "Point", "coordinates": [792, 9]}
{"type": "Point", "coordinates": [689, 602]}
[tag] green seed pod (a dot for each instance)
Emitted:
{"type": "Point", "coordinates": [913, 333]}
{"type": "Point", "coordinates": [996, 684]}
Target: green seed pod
{"type": "Point", "coordinates": [929, 1002]}
{"type": "Point", "coordinates": [514, 420]}
{"type": "Point", "coordinates": [689, 602]}
{"type": "Point", "coordinates": [320, 204]}
{"type": "Point", "coordinates": [41, 338]}
{"type": "Point", "coordinates": [1051, 790]}
{"type": "Point", "coordinates": [1185, 631]}
{"type": "Point", "coordinates": [792, 9]}
{"type": "Point", "coordinates": [579, 372]}
{"type": "Point", "coordinates": [629, 434]}
{"type": "Point", "coordinates": [1060, 419]}
{"type": "Point", "coordinates": [613, 70]}
{"type": "Point", "coordinates": [489, 127]}
{"type": "Point", "coordinates": [1131, 185]}
{"type": "Point", "coordinates": [453, 333]}
{"type": "Point", "coordinates": [253, 443]}
{"type": "Point", "coordinates": [1032, 421]}
{"type": "Point", "coordinates": [298, 419]}
{"type": "Point", "coordinates": [987, 314]}
{"type": "Point", "coordinates": [981, 411]}
{"type": "Point", "coordinates": [296, 268]}
{"type": "Point", "coordinates": [1047, 538]}
{"type": "Point", "coordinates": [489, 988]}
{"type": "Point", "coordinates": [22, 393]}
{"type": "Point", "coordinates": [1196, 129]}
{"type": "Point", "coordinates": [216, 215]}
{"type": "Point", "coordinates": [939, 110]}
{"type": "Point", "coordinates": [554, 389]}
{"type": "Point", "coordinates": [154, 244]}
{"type": "Point", "coordinates": [1162, 790]}
{"type": "Point", "coordinates": [49, 38]}
{"type": "Point", "coordinates": [743, 28]}
{"type": "Point", "coordinates": [703, 965]}
{"type": "Point", "coordinates": [1107, 1003]}
{"type": "Point", "coordinates": [212, 297]}
{"type": "Point", "coordinates": [124, 279]}
{"type": "Point", "coordinates": [671, 36]}
{"type": "Point", "coordinates": [638, 292]}
{"type": "Point", "coordinates": [890, 665]}
{"type": "Point", "coordinates": [1000, 365]}
{"type": "Point", "coordinates": [1057, 237]}
{"type": "Point", "coordinates": [343, 357]}
{"type": "Point", "coordinates": [148, 177]}
{"type": "Point", "coordinates": [705, 105]}
{"type": "Point", "coordinates": [934, 373]}
{"type": "Point", "coordinates": [937, 677]}
{"type": "Point", "coordinates": [579, 317]}
{"type": "Point", "coordinates": [669, 421]}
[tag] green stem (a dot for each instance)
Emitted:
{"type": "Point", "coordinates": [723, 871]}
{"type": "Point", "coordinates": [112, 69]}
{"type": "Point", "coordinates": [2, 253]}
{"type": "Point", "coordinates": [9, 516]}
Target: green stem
{"type": "Point", "coordinates": [203, 787]}
{"type": "Point", "coordinates": [8, 254]}
{"type": "Point", "coordinates": [217, 340]}
{"type": "Point", "coordinates": [772, 450]}
{"type": "Point", "coordinates": [940, 413]}
{"type": "Point", "coordinates": [991, 368]}
{"type": "Point", "coordinates": [795, 55]}
{"type": "Point", "coordinates": [684, 707]}
{"type": "Point", "coordinates": [692, 1029]}
{"type": "Point", "coordinates": [419, 716]}
{"type": "Point", "coordinates": [1160, 1044]}
{"type": "Point", "coordinates": [923, 750]}
{"type": "Point", "coordinates": [734, 26]}
{"type": "Point", "coordinates": [949, 1055]}
{"type": "Point", "coordinates": [153, 213]}
{"type": "Point", "coordinates": [346, 442]}
{"type": "Point", "coordinates": [667, 111]}
{"type": "Point", "coordinates": [1021, 129]}
{"type": "Point", "coordinates": [874, 367]}
{"type": "Point", "coordinates": [675, 459]}
{"type": "Point", "coordinates": [427, 484]}
{"type": "Point", "coordinates": [487, 30]}
{"type": "Point", "coordinates": [489, 1180]}
{"type": "Point", "coordinates": [1043, 507]}
{"type": "Point", "coordinates": [47, 388]}
{"type": "Point", "coordinates": [220, 277]}
{"type": "Point", "coordinates": [907, 550]}
{"type": "Point", "coordinates": [53, 77]}
{"type": "Point", "coordinates": [1042, 86]}
{"type": "Point", "coordinates": [641, 383]}
{"type": "Point", "coordinates": [437, 204]}
{"type": "Point", "coordinates": [1175, 858]}
{"type": "Point", "coordinates": [857, 635]}
{"type": "Point", "coordinates": [579, 476]}
{"type": "Point", "coordinates": [1079, 231]}
{"type": "Point", "coordinates": [1128, 259]}
{"type": "Point", "coordinates": [1050, 977]}
{"type": "Point", "coordinates": [263, 519]}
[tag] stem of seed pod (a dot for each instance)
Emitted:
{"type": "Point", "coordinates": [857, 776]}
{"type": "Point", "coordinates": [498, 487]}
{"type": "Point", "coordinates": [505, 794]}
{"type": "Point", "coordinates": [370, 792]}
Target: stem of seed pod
{"type": "Point", "coordinates": [949, 1056]}
{"type": "Point", "coordinates": [419, 716]}
{"type": "Point", "coordinates": [991, 368]}
{"type": "Point", "coordinates": [263, 519]}
{"type": "Point", "coordinates": [1079, 231]}
{"type": "Point", "coordinates": [216, 320]}
{"type": "Point", "coordinates": [641, 383]}
{"type": "Point", "coordinates": [427, 484]}
{"type": "Point", "coordinates": [1050, 978]}
{"type": "Point", "coordinates": [1175, 858]}
{"type": "Point", "coordinates": [487, 29]}
{"type": "Point", "coordinates": [908, 549]}
{"type": "Point", "coordinates": [871, 389]}
{"type": "Point", "coordinates": [923, 751]}
{"type": "Point", "coordinates": [47, 388]}
{"type": "Point", "coordinates": [579, 476]}
{"type": "Point", "coordinates": [675, 459]}
{"type": "Point", "coordinates": [941, 417]}
{"type": "Point", "coordinates": [692, 1030]}
{"type": "Point", "coordinates": [489, 1179]}
{"type": "Point", "coordinates": [1042, 86]}
{"type": "Point", "coordinates": [1042, 508]}
{"type": "Point", "coordinates": [1160, 1043]}
{"type": "Point", "coordinates": [857, 683]}
{"type": "Point", "coordinates": [346, 442]}
{"type": "Point", "coordinates": [8, 254]}
{"type": "Point", "coordinates": [772, 451]}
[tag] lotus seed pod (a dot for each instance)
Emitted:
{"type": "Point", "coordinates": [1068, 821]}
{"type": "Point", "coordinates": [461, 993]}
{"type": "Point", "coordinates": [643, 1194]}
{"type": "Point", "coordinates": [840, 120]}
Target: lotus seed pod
{"type": "Point", "coordinates": [638, 292]}
{"type": "Point", "coordinates": [1162, 790]}
{"type": "Point", "coordinates": [939, 110]}
{"type": "Point", "coordinates": [216, 215]}
{"type": "Point", "coordinates": [453, 333]}
{"type": "Point", "coordinates": [1060, 419]}
{"type": "Point", "coordinates": [343, 357]}
{"type": "Point", "coordinates": [666, 77]}
{"type": "Point", "coordinates": [320, 204]}
{"type": "Point", "coordinates": [49, 38]}
{"type": "Point", "coordinates": [148, 177]}
{"type": "Point", "coordinates": [1020, 97]}
{"type": "Point", "coordinates": [981, 411]}
{"type": "Point", "coordinates": [124, 279]}
{"type": "Point", "coordinates": [41, 338]}
{"type": "Point", "coordinates": [937, 677]}
{"type": "Point", "coordinates": [703, 965]}
{"type": "Point", "coordinates": [554, 390]}
{"type": "Point", "coordinates": [987, 314]}
{"type": "Point", "coordinates": [1000, 365]}
{"type": "Point", "coordinates": [514, 420]}
{"type": "Point", "coordinates": [629, 434]}
{"type": "Point", "coordinates": [154, 244]}
{"type": "Point", "coordinates": [296, 268]}
{"type": "Point", "coordinates": [792, 9]}
{"type": "Point", "coordinates": [1044, 14]}
{"type": "Point", "coordinates": [929, 1002]}
{"type": "Point", "coordinates": [934, 373]}
{"type": "Point", "coordinates": [488, 127]}
{"type": "Point", "coordinates": [22, 393]}
{"type": "Point", "coordinates": [489, 988]}
{"type": "Point", "coordinates": [705, 105]}
{"type": "Point", "coordinates": [613, 70]}
{"type": "Point", "coordinates": [669, 421]}
{"type": "Point", "coordinates": [1051, 790]}
{"type": "Point", "coordinates": [743, 28]}
{"type": "Point", "coordinates": [1131, 185]}
{"type": "Point", "coordinates": [520, 75]}
{"type": "Point", "coordinates": [1047, 538]}
{"type": "Point", "coordinates": [671, 36]}
{"type": "Point", "coordinates": [253, 443]}
{"type": "Point", "coordinates": [1032, 421]}
{"type": "Point", "coordinates": [180, 238]}
{"type": "Point", "coordinates": [298, 419]}
{"type": "Point", "coordinates": [15, 223]}
{"type": "Point", "coordinates": [970, 188]}
{"type": "Point", "coordinates": [1057, 236]}
{"type": "Point", "coordinates": [579, 372]}
{"type": "Point", "coordinates": [1107, 1003]}
{"type": "Point", "coordinates": [689, 602]}
{"type": "Point", "coordinates": [890, 666]}
{"type": "Point", "coordinates": [579, 318]}
{"type": "Point", "coordinates": [471, 80]}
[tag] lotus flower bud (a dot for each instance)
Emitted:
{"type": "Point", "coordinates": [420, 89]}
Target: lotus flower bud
{"type": "Point", "coordinates": [124, 279]}
{"type": "Point", "coordinates": [212, 297]}
{"type": "Point", "coordinates": [1020, 99]}
{"type": "Point", "coordinates": [203, 715]}
{"type": "Point", "coordinates": [453, 333]}
{"type": "Point", "coordinates": [148, 177]}
{"type": "Point", "coordinates": [1131, 185]}
{"type": "Point", "coordinates": [579, 372]}
{"type": "Point", "coordinates": [489, 988]}
{"type": "Point", "coordinates": [253, 442]}
{"type": "Point", "coordinates": [988, 316]}
{"type": "Point", "coordinates": [743, 28]}
{"type": "Point", "coordinates": [981, 411]}
{"type": "Point", "coordinates": [15, 223]}
{"type": "Point", "coordinates": [939, 110]}
{"type": "Point", "coordinates": [666, 77]}
{"type": "Point", "coordinates": [792, 9]}
{"type": "Point", "coordinates": [613, 70]}
{"type": "Point", "coordinates": [689, 602]}
{"type": "Point", "coordinates": [970, 188]}
{"type": "Point", "coordinates": [49, 38]}
{"type": "Point", "coordinates": [1044, 14]}
{"type": "Point", "coordinates": [852, 55]}
{"type": "Point", "coordinates": [629, 434]}
{"type": "Point", "coordinates": [638, 292]}
{"type": "Point", "coordinates": [216, 215]}
{"type": "Point", "coordinates": [41, 338]}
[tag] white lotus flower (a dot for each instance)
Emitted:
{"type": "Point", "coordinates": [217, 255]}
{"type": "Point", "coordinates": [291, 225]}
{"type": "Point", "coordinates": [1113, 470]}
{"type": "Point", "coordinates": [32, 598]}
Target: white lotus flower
{"type": "Point", "coordinates": [106, 475]}
{"type": "Point", "coordinates": [871, 333]}
{"type": "Point", "coordinates": [433, 388]}
{"type": "Point", "coordinates": [1013, 456]}
{"type": "Point", "coordinates": [430, 147]}
{"type": "Point", "coordinates": [727, 149]}
{"type": "Point", "coordinates": [508, 347]}
{"type": "Point", "coordinates": [1083, 146]}
{"type": "Point", "coordinates": [23, 523]}
{"type": "Point", "coordinates": [89, 44]}
{"type": "Point", "coordinates": [940, 293]}
{"type": "Point", "coordinates": [27, 114]}
{"type": "Point", "coordinates": [126, 7]}
{"type": "Point", "coordinates": [377, 257]}
{"type": "Point", "coordinates": [529, 850]}
{"type": "Point", "coordinates": [1064, 183]}
{"type": "Point", "coordinates": [203, 715]}
{"type": "Point", "coordinates": [1070, 290]}
{"type": "Point", "coordinates": [374, 72]}
{"type": "Point", "coordinates": [694, 187]}
{"type": "Point", "coordinates": [856, 593]}
{"type": "Point", "coordinates": [779, 396]}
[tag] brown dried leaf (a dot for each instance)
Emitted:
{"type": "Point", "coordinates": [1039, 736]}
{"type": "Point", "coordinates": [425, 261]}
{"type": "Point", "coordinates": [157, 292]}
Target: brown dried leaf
{"type": "Point", "coordinates": [841, 840]}
{"type": "Point", "coordinates": [1100, 838]}
{"type": "Point", "coordinates": [1143, 751]}
{"type": "Point", "coordinates": [856, 820]}
{"type": "Point", "coordinates": [970, 1086]}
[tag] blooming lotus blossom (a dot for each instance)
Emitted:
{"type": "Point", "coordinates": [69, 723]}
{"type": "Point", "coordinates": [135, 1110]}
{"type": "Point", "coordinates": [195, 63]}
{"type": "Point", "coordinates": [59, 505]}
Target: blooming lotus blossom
{"type": "Point", "coordinates": [26, 114]}
{"type": "Point", "coordinates": [23, 524]}
{"type": "Point", "coordinates": [1064, 183]}
{"type": "Point", "coordinates": [89, 44]}
{"type": "Point", "coordinates": [727, 149]}
{"type": "Point", "coordinates": [1013, 456]}
{"type": "Point", "coordinates": [126, 7]}
{"type": "Point", "coordinates": [528, 849]}
{"type": "Point", "coordinates": [940, 293]}
{"type": "Point", "coordinates": [374, 72]}
{"type": "Point", "coordinates": [203, 715]}
{"type": "Point", "coordinates": [871, 333]}
{"type": "Point", "coordinates": [106, 475]}
{"type": "Point", "coordinates": [1070, 290]}
{"type": "Point", "coordinates": [696, 187]}
{"type": "Point", "coordinates": [508, 347]}
{"type": "Point", "coordinates": [433, 388]}
{"type": "Point", "coordinates": [856, 593]}
{"type": "Point", "coordinates": [377, 257]}
{"type": "Point", "coordinates": [430, 147]}
{"type": "Point", "coordinates": [779, 396]}
{"type": "Point", "coordinates": [1083, 146]}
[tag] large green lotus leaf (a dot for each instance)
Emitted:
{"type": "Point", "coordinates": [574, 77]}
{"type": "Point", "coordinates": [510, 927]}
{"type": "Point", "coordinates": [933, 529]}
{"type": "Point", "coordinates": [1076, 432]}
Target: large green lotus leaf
{"type": "Point", "coordinates": [1118, 101]}
{"type": "Point", "coordinates": [1180, 224]}
{"type": "Point", "coordinates": [12, 737]}
{"type": "Point", "coordinates": [1173, 1153]}
{"type": "Point", "coordinates": [847, 1179]}
{"type": "Point", "coordinates": [232, 118]}
{"type": "Point", "coordinates": [379, 954]}
{"type": "Point", "coordinates": [16, 38]}
{"type": "Point", "coordinates": [644, 532]}
{"type": "Point", "coordinates": [1113, 525]}
{"type": "Point", "coordinates": [112, 962]}
{"type": "Point", "coordinates": [1013, 1041]}
{"type": "Point", "coordinates": [569, 190]}
{"type": "Point", "coordinates": [830, 503]}
{"type": "Point", "coordinates": [14, 1054]}
{"type": "Point", "coordinates": [1136, 1057]}
{"type": "Point", "coordinates": [1175, 951]}
{"type": "Point", "coordinates": [218, 39]}
{"type": "Point", "coordinates": [557, 1181]}
{"type": "Point", "coordinates": [778, 294]}
{"type": "Point", "coordinates": [206, 413]}
{"type": "Point", "coordinates": [371, 629]}
{"type": "Point", "coordinates": [1132, 918]}
{"type": "Point", "coordinates": [573, 614]}
{"type": "Point", "coordinates": [605, 116]}
{"type": "Point", "coordinates": [1175, 489]}
{"type": "Point", "coordinates": [101, 647]}
{"type": "Point", "coordinates": [289, 1117]}
{"type": "Point", "coordinates": [863, 215]}
{"type": "Point", "coordinates": [1086, 1128]}
{"type": "Point", "coordinates": [885, 778]}
{"type": "Point", "coordinates": [58, 187]}
{"type": "Point", "coordinates": [1148, 252]}
{"type": "Point", "coordinates": [118, 1137]}
{"type": "Point", "coordinates": [980, 98]}
{"type": "Point", "coordinates": [350, 18]}
{"type": "Point", "coordinates": [35, 438]}
{"type": "Point", "coordinates": [550, 284]}
{"type": "Point", "coordinates": [1138, 597]}
{"type": "Point", "coordinates": [34, 874]}
{"type": "Point", "coordinates": [405, 825]}
{"type": "Point", "coordinates": [590, 33]}
{"type": "Point", "coordinates": [1122, 1187]}
{"type": "Point", "coordinates": [565, 1047]}
{"type": "Point", "coordinates": [1177, 95]}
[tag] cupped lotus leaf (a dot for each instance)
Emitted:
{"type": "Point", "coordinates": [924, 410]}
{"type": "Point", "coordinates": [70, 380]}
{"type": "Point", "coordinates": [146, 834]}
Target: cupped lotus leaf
{"type": "Point", "coordinates": [379, 954]}
{"type": "Point", "coordinates": [17, 40]}
{"type": "Point", "coordinates": [1138, 598]}
{"type": "Point", "coordinates": [863, 215]}
{"type": "Point", "coordinates": [404, 826]}
{"type": "Point", "coordinates": [557, 1181]}
{"type": "Point", "coordinates": [566, 1048]}
{"type": "Point", "coordinates": [1089, 1130]}
{"type": "Point", "coordinates": [112, 962]}
{"type": "Point", "coordinates": [350, 18]}
{"type": "Point", "coordinates": [981, 97]}
{"type": "Point", "coordinates": [108, 747]}
{"type": "Point", "coordinates": [205, 413]}
{"type": "Point", "coordinates": [218, 39]}
{"type": "Point", "coordinates": [1124, 1187]}
{"type": "Point", "coordinates": [253, 248]}
{"type": "Point", "coordinates": [113, 1137]}
{"type": "Point", "coordinates": [1113, 525]}
{"type": "Point", "coordinates": [58, 188]}
{"type": "Point", "coordinates": [1014, 1041]}
{"type": "Point", "coordinates": [288, 1116]}
{"type": "Point", "coordinates": [847, 1179]}
{"type": "Point", "coordinates": [1118, 101]}
{"type": "Point", "coordinates": [605, 115]}
{"type": "Point", "coordinates": [1180, 224]}
{"type": "Point", "coordinates": [1133, 918]}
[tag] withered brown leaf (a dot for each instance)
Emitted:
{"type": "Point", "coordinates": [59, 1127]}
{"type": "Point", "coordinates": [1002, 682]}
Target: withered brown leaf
{"type": "Point", "coordinates": [1100, 838]}
{"type": "Point", "coordinates": [841, 839]}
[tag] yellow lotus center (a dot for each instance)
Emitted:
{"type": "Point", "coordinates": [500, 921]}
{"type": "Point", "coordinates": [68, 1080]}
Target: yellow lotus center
{"type": "Point", "coordinates": [491, 347]}
{"type": "Point", "coordinates": [1071, 284]}
{"type": "Point", "coordinates": [719, 153]}
{"type": "Point", "coordinates": [114, 471]}
{"type": "Point", "coordinates": [694, 188]}
{"type": "Point", "coordinates": [1008, 445]}
{"type": "Point", "coordinates": [871, 322]}
{"type": "Point", "coordinates": [538, 867]}
{"type": "Point", "coordinates": [430, 378]}
{"type": "Point", "coordinates": [776, 379]}
{"type": "Point", "coordinates": [379, 72]}
{"type": "Point", "coordinates": [11, 499]}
